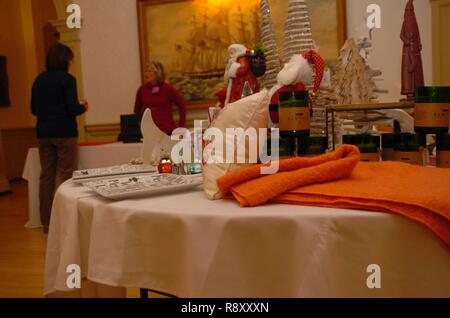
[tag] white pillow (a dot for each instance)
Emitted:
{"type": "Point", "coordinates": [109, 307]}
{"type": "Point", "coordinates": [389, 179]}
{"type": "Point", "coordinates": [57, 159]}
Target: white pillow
{"type": "Point", "coordinates": [248, 112]}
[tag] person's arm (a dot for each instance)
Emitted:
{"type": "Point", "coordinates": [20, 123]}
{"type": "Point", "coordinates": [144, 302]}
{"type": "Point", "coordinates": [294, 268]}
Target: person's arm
{"type": "Point", "coordinates": [178, 100]}
{"type": "Point", "coordinates": [138, 103]}
{"type": "Point", "coordinates": [73, 105]}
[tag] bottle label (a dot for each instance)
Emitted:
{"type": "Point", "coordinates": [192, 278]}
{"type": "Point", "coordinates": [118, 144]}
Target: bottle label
{"type": "Point", "coordinates": [443, 159]}
{"type": "Point", "coordinates": [431, 115]}
{"type": "Point", "coordinates": [294, 118]}
{"type": "Point", "coordinates": [412, 157]}
{"type": "Point", "coordinates": [370, 157]}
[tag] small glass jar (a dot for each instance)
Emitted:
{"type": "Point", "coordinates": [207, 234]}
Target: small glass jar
{"type": "Point", "coordinates": [165, 165]}
{"type": "Point", "coordinates": [368, 145]}
{"type": "Point", "coordinates": [312, 146]}
{"type": "Point", "coordinates": [387, 147]}
{"type": "Point", "coordinates": [443, 151]}
{"type": "Point", "coordinates": [431, 111]}
{"type": "Point", "coordinates": [410, 148]}
{"type": "Point", "coordinates": [294, 114]}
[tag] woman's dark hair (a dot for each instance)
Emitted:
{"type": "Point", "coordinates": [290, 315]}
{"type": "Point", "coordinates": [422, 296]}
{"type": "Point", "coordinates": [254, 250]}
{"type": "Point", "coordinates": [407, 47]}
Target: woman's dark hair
{"type": "Point", "coordinates": [59, 57]}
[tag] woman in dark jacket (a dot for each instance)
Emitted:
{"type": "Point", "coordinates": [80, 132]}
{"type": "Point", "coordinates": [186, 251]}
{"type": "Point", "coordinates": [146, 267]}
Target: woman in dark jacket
{"type": "Point", "coordinates": [55, 103]}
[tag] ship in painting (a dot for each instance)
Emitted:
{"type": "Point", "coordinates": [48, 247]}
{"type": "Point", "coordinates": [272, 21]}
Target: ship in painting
{"type": "Point", "coordinates": [205, 52]}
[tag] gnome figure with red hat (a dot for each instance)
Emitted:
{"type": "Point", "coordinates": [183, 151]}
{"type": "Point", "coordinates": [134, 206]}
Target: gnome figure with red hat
{"type": "Point", "coordinates": [294, 76]}
{"type": "Point", "coordinates": [412, 69]}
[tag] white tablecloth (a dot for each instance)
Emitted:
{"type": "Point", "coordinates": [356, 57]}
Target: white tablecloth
{"type": "Point", "coordinates": [90, 157]}
{"type": "Point", "coordinates": [188, 246]}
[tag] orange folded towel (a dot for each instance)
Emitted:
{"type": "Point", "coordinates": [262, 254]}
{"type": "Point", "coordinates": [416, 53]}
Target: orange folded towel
{"type": "Point", "coordinates": [338, 180]}
{"type": "Point", "coordinates": [251, 188]}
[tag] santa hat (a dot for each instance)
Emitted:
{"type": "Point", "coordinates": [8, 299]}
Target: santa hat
{"type": "Point", "coordinates": [299, 70]}
{"type": "Point", "coordinates": [239, 48]}
{"type": "Point", "coordinates": [315, 59]}
{"type": "Point", "coordinates": [295, 71]}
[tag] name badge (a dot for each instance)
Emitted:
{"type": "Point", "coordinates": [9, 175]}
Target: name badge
{"type": "Point", "coordinates": [155, 90]}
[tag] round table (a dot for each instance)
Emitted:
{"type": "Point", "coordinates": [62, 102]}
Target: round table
{"type": "Point", "coordinates": [185, 245]}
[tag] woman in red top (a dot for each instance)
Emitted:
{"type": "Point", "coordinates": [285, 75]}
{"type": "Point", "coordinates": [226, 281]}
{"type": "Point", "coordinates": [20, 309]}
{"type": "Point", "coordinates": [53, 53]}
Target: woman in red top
{"type": "Point", "coordinates": [159, 96]}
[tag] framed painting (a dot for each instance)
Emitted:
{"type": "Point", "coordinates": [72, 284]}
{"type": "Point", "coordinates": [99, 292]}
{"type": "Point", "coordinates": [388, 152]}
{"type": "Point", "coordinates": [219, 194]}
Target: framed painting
{"type": "Point", "coordinates": [190, 37]}
{"type": "Point", "coordinates": [4, 94]}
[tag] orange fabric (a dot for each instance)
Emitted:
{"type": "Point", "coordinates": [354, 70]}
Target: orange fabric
{"type": "Point", "coordinates": [418, 193]}
{"type": "Point", "coordinates": [250, 188]}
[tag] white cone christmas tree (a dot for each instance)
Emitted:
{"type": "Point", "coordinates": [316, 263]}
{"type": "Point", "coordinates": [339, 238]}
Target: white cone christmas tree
{"type": "Point", "coordinates": [298, 39]}
{"type": "Point", "coordinates": [297, 30]}
{"type": "Point", "coordinates": [270, 45]}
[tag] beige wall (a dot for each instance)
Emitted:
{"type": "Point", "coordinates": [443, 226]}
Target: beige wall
{"type": "Point", "coordinates": [43, 11]}
{"type": "Point", "coordinates": [15, 28]}
{"type": "Point", "coordinates": [387, 51]}
{"type": "Point", "coordinates": [110, 51]}
{"type": "Point", "coordinates": [110, 58]}
{"type": "Point", "coordinates": [24, 48]}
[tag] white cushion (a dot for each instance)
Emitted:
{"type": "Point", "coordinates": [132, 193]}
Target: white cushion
{"type": "Point", "coordinates": [251, 111]}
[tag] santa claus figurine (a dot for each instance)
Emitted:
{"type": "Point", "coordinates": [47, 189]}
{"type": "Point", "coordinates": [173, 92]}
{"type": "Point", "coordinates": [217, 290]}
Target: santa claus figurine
{"type": "Point", "coordinates": [237, 73]}
{"type": "Point", "coordinates": [294, 76]}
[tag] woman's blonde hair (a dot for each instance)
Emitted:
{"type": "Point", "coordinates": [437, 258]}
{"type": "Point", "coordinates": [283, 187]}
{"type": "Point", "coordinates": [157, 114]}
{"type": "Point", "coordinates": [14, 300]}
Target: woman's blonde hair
{"type": "Point", "coordinates": [158, 68]}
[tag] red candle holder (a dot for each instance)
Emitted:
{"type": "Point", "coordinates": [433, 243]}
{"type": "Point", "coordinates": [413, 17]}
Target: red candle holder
{"type": "Point", "coordinates": [165, 165]}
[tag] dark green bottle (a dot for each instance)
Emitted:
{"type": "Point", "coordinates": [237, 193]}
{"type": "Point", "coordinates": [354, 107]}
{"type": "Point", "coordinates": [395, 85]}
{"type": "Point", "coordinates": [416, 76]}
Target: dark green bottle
{"type": "Point", "coordinates": [431, 111]}
{"type": "Point", "coordinates": [387, 147]}
{"type": "Point", "coordinates": [443, 150]}
{"type": "Point", "coordinates": [368, 145]}
{"type": "Point", "coordinates": [294, 114]}
{"type": "Point", "coordinates": [312, 146]}
{"type": "Point", "coordinates": [410, 148]}
{"type": "Point", "coordinates": [286, 146]}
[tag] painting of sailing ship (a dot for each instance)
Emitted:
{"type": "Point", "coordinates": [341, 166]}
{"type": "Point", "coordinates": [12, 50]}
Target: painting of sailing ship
{"type": "Point", "coordinates": [191, 37]}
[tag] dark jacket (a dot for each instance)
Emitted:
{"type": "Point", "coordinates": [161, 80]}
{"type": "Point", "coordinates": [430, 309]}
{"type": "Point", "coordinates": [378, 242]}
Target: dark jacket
{"type": "Point", "coordinates": [54, 101]}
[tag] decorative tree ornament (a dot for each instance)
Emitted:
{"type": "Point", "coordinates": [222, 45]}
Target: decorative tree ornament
{"type": "Point", "coordinates": [268, 40]}
{"type": "Point", "coordinates": [352, 82]}
{"type": "Point", "coordinates": [297, 30]}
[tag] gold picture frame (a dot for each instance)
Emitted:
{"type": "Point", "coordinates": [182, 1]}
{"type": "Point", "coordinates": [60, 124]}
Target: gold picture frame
{"type": "Point", "coordinates": [172, 30]}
